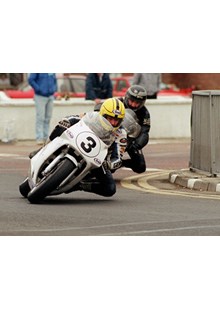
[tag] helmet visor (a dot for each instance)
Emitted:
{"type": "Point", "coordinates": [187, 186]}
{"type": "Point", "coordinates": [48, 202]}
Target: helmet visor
{"type": "Point", "coordinates": [135, 103]}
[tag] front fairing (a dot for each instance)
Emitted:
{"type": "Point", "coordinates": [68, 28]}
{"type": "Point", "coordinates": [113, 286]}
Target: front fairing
{"type": "Point", "coordinates": [85, 140]}
{"type": "Point", "coordinates": [131, 125]}
{"type": "Point", "coordinates": [100, 126]}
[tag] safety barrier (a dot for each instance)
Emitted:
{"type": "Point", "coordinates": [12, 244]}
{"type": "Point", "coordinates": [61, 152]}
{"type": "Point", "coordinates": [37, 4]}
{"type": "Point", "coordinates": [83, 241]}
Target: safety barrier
{"type": "Point", "coordinates": [170, 117]}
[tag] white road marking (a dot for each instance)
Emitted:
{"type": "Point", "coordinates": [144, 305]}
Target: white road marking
{"type": "Point", "coordinates": [120, 225]}
{"type": "Point", "coordinates": [164, 230]}
{"type": "Point", "coordinates": [9, 155]}
{"type": "Point", "coordinates": [17, 156]}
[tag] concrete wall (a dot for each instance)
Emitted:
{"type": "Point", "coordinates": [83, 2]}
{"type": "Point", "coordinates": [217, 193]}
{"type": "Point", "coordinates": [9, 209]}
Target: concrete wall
{"type": "Point", "coordinates": [170, 117]}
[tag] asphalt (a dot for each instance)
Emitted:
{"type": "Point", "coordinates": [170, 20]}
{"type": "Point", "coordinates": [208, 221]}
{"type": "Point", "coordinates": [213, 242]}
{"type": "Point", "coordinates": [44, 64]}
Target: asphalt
{"type": "Point", "coordinates": [184, 177]}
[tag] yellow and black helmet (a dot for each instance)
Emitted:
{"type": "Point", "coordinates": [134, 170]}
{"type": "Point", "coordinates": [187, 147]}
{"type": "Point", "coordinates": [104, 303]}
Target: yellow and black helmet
{"type": "Point", "coordinates": [113, 108]}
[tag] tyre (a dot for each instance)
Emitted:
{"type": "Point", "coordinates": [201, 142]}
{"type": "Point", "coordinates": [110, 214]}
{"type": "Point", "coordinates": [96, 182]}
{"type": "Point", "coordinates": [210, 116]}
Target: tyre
{"type": "Point", "coordinates": [24, 188]}
{"type": "Point", "coordinates": [51, 182]}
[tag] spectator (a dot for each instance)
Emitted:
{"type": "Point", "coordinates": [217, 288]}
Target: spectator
{"type": "Point", "coordinates": [4, 80]}
{"type": "Point", "coordinates": [15, 79]}
{"type": "Point", "coordinates": [44, 85]}
{"type": "Point", "coordinates": [150, 81]}
{"type": "Point", "coordinates": [98, 87]}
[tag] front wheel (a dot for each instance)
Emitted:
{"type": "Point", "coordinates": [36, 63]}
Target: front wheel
{"type": "Point", "coordinates": [24, 188]}
{"type": "Point", "coordinates": [51, 181]}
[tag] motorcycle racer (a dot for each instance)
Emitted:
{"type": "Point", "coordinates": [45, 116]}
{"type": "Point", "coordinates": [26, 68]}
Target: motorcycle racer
{"type": "Point", "coordinates": [134, 99]}
{"type": "Point", "coordinates": [100, 181]}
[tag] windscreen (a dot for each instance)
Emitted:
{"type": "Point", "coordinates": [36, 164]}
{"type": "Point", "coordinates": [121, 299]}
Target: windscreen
{"type": "Point", "coordinates": [100, 126]}
{"type": "Point", "coordinates": [130, 123]}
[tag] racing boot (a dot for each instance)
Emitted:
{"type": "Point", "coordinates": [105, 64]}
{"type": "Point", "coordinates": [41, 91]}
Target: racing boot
{"type": "Point", "coordinates": [77, 187]}
{"type": "Point", "coordinates": [81, 186]}
{"type": "Point", "coordinates": [33, 153]}
{"type": "Point", "coordinates": [86, 186]}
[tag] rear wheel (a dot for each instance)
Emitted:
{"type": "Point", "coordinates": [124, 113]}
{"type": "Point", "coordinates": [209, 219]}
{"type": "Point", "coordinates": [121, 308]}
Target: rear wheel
{"type": "Point", "coordinates": [51, 181]}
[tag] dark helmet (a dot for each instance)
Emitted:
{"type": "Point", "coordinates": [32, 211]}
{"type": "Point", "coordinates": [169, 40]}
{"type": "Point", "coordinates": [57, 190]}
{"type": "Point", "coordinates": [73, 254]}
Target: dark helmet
{"type": "Point", "coordinates": [136, 93]}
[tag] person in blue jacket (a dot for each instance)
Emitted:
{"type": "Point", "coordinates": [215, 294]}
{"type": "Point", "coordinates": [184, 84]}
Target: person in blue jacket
{"type": "Point", "coordinates": [44, 85]}
{"type": "Point", "coordinates": [98, 87]}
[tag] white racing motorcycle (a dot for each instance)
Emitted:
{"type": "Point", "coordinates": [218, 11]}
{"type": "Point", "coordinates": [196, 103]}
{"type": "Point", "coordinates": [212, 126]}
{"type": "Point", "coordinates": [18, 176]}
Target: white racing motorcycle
{"type": "Point", "coordinates": [65, 161]}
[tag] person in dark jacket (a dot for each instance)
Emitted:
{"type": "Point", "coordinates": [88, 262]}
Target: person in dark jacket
{"type": "Point", "coordinates": [98, 87]}
{"type": "Point", "coordinates": [44, 85]}
{"type": "Point", "coordinates": [134, 99]}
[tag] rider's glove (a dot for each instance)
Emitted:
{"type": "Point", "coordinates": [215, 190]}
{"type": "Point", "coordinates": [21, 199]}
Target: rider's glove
{"type": "Point", "coordinates": [106, 164]}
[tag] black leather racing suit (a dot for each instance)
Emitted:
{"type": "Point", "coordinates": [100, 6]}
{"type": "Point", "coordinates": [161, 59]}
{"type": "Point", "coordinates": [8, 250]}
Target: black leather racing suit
{"type": "Point", "coordinates": [135, 146]}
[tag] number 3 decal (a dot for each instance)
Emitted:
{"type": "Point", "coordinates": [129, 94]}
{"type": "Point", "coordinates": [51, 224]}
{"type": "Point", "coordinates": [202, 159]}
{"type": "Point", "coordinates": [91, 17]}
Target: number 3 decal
{"type": "Point", "coordinates": [88, 144]}
{"type": "Point", "coordinates": [87, 147]}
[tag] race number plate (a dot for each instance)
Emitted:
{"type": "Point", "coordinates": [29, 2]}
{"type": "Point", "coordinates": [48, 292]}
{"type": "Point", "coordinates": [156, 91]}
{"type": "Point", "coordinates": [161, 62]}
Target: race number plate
{"type": "Point", "coordinates": [88, 144]}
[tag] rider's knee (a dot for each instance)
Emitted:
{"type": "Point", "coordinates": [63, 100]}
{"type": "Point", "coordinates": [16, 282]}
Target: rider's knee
{"type": "Point", "coordinates": [109, 190]}
{"type": "Point", "coordinates": [139, 168]}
